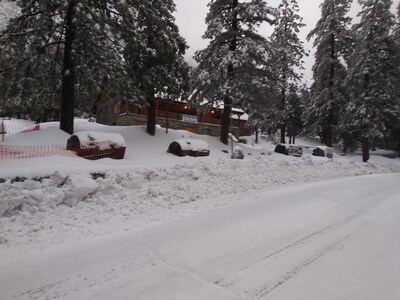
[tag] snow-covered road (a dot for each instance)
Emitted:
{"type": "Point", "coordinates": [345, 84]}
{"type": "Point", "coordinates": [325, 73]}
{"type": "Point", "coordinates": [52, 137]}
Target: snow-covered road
{"type": "Point", "coordinates": [337, 239]}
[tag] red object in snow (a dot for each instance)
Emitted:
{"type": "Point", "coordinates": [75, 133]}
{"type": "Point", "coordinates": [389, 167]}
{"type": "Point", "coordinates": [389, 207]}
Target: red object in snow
{"type": "Point", "coordinates": [34, 128]}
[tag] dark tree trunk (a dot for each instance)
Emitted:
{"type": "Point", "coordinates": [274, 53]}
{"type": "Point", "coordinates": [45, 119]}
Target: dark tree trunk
{"type": "Point", "coordinates": [283, 137]}
{"type": "Point", "coordinates": [151, 114]}
{"type": "Point", "coordinates": [329, 130]}
{"type": "Point", "coordinates": [68, 79]}
{"type": "Point", "coordinates": [344, 151]}
{"type": "Point", "coordinates": [151, 62]}
{"type": "Point", "coordinates": [398, 146]}
{"type": "Point", "coordinates": [365, 149]}
{"type": "Point", "coordinates": [226, 120]}
{"type": "Point", "coordinates": [283, 99]}
{"type": "Point", "coordinates": [283, 108]}
{"type": "Point", "coordinates": [43, 117]}
{"type": "Point", "coordinates": [256, 141]}
{"type": "Point", "coordinates": [294, 139]}
{"type": "Point", "coordinates": [226, 114]}
{"type": "Point", "coordinates": [329, 137]}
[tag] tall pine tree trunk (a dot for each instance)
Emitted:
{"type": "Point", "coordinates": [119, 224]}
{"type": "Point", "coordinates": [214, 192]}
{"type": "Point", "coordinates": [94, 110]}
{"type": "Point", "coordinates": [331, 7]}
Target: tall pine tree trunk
{"type": "Point", "coordinates": [226, 120]}
{"type": "Point", "coordinates": [283, 135]}
{"type": "Point", "coordinates": [149, 89]}
{"type": "Point", "coordinates": [256, 128]}
{"type": "Point", "coordinates": [365, 148]}
{"type": "Point", "coordinates": [151, 113]}
{"type": "Point", "coordinates": [68, 79]}
{"type": "Point", "coordinates": [398, 137]}
{"type": "Point", "coordinates": [283, 125]}
{"type": "Point", "coordinates": [329, 129]}
{"type": "Point", "coordinates": [226, 114]}
{"type": "Point", "coordinates": [283, 100]}
{"type": "Point", "coordinates": [329, 136]}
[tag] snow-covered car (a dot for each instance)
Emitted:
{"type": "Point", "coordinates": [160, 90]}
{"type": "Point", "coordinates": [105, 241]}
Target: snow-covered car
{"type": "Point", "coordinates": [191, 147]}
{"type": "Point", "coordinates": [323, 151]}
{"type": "Point", "coordinates": [95, 145]}
{"type": "Point", "coordinates": [292, 150]}
{"type": "Point", "coordinates": [295, 150]}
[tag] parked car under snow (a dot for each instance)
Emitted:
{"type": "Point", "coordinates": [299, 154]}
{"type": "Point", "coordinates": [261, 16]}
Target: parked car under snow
{"type": "Point", "coordinates": [292, 150]}
{"type": "Point", "coordinates": [323, 151]}
{"type": "Point", "coordinates": [190, 147]}
{"type": "Point", "coordinates": [95, 145]}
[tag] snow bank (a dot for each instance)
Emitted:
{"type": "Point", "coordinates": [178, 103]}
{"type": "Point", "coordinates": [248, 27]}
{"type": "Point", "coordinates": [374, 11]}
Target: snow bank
{"type": "Point", "coordinates": [45, 194]}
{"type": "Point", "coordinates": [97, 203]}
{"type": "Point", "coordinates": [58, 199]}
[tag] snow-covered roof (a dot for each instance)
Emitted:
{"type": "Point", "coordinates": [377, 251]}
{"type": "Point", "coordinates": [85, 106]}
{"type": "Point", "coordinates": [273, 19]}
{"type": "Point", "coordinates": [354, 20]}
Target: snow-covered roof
{"type": "Point", "coordinates": [236, 112]}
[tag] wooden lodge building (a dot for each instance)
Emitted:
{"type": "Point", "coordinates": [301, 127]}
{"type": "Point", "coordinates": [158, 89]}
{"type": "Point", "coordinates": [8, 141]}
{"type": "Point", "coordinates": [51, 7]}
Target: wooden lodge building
{"type": "Point", "coordinates": [171, 114]}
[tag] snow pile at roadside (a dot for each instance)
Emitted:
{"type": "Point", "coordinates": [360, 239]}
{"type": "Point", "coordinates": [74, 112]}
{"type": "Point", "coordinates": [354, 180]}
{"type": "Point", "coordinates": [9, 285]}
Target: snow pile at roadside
{"type": "Point", "coordinates": [44, 201]}
{"type": "Point", "coordinates": [101, 202]}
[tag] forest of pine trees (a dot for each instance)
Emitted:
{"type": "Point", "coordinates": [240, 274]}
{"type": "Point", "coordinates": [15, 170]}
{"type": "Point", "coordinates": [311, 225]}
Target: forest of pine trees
{"type": "Point", "coordinates": [56, 54]}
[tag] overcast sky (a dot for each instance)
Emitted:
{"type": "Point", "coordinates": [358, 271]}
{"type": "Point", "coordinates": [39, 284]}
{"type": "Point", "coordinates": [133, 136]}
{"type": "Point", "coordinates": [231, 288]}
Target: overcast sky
{"type": "Point", "coordinates": [191, 14]}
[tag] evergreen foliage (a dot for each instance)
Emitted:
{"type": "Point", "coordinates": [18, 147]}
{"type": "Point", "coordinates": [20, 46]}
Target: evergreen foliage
{"type": "Point", "coordinates": [397, 29]}
{"type": "Point", "coordinates": [54, 52]}
{"type": "Point", "coordinates": [374, 73]}
{"type": "Point", "coordinates": [159, 65]}
{"type": "Point", "coordinates": [395, 127]}
{"type": "Point", "coordinates": [294, 110]}
{"type": "Point", "coordinates": [333, 42]}
{"type": "Point", "coordinates": [230, 68]}
{"type": "Point", "coordinates": [58, 51]}
{"type": "Point", "coordinates": [286, 62]}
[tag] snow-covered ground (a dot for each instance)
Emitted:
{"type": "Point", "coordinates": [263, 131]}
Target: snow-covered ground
{"type": "Point", "coordinates": [68, 207]}
{"type": "Point", "coordinates": [336, 239]}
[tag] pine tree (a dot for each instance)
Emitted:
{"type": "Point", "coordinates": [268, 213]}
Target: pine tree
{"type": "Point", "coordinates": [259, 108]}
{"type": "Point", "coordinates": [374, 73]}
{"type": "Point", "coordinates": [286, 59]}
{"type": "Point", "coordinates": [395, 127]}
{"type": "Point", "coordinates": [60, 50]}
{"type": "Point", "coordinates": [229, 68]}
{"type": "Point", "coordinates": [295, 110]}
{"type": "Point", "coordinates": [160, 64]}
{"type": "Point", "coordinates": [333, 43]}
{"type": "Point", "coordinates": [397, 29]}
{"type": "Point", "coordinates": [8, 10]}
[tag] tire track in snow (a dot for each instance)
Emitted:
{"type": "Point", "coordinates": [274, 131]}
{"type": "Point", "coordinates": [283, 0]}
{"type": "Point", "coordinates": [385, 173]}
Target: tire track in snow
{"type": "Point", "coordinates": [40, 292]}
{"type": "Point", "coordinates": [270, 286]}
{"type": "Point", "coordinates": [264, 262]}
{"type": "Point", "coordinates": [231, 280]}
{"type": "Point", "coordinates": [227, 282]}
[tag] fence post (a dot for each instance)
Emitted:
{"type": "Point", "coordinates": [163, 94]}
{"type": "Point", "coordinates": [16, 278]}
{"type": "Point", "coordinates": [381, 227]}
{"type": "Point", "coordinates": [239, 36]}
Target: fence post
{"type": "Point", "coordinates": [2, 131]}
